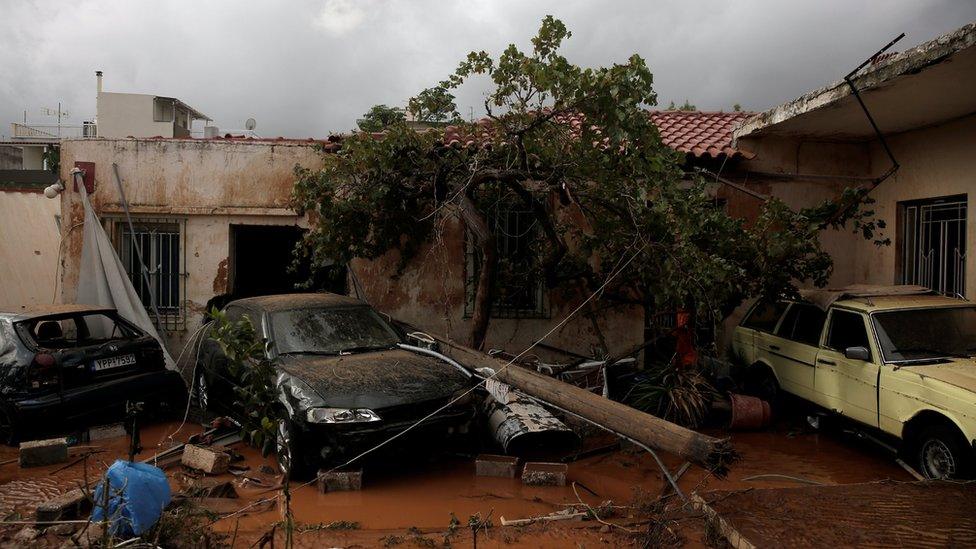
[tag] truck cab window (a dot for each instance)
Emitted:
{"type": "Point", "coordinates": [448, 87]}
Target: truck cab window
{"type": "Point", "coordinates": [846, 330]}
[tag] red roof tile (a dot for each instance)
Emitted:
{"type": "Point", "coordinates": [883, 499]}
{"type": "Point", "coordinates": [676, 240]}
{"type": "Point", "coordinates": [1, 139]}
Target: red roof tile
{"type": "Point", "coordinates": [699, 133]}
{"type": "Point", "coordinates": [691, 132]}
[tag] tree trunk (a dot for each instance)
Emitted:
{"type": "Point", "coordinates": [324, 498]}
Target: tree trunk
{"type": "Point", "coordinates": [485, 241]}
{"type": "Point", "coordinates": [713, 454]}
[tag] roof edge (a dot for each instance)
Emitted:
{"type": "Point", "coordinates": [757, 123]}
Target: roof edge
{"type": "Point", "coordinates": [908, 61]}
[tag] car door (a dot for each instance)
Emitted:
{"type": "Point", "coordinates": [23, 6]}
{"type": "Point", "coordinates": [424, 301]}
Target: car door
{"type": "Point", "coordinates": [753, 336]}
{"type": "Point", "coordinates": [796, 346]}
{"type": "Point", "coordinates": [848, 386]}
{"type": "Point", "coordinates": [220, 380]}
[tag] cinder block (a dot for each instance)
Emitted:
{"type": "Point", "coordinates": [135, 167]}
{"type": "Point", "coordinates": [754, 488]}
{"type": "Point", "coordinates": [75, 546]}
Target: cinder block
{"type": "Point", "coordinates": [102, 432]}
{"type": "Point", "coordinates": [69, 505]}
{"type": "Point", "coordinates": [537, 473]}
{"type": "Point", "coordinates": [340, 481]}
{"type": "Point", "coordinates": [36, 453]}
{"type": "Point", "coordinates": [205, 459]}
{"type": "Point", "coordinates": [490, 465]}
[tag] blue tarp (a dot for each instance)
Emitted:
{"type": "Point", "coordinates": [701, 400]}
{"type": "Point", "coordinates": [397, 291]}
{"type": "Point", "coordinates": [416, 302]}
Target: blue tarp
{"type": "Point", "coordinates": [137, 495]}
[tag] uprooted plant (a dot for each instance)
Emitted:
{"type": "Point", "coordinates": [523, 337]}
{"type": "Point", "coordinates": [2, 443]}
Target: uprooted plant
{"type": "Point", "coordinates": [256, 391]}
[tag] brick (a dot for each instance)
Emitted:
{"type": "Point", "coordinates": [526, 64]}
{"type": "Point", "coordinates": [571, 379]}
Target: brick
{"type": "Point", "coordinates": [36, 453]}
{"type": "Point", "coordinates": [490, 465]}
{"type": "Point", "coordinates": [340, 481]}
{"type": "Point", "coordinates": [102, 432]}
{"type": "Point", "coordinates": [205, 459]}
{"type": "Point", "coordinates": [537, 473]}
{"type": "Point", "coordinates": [69, 505]}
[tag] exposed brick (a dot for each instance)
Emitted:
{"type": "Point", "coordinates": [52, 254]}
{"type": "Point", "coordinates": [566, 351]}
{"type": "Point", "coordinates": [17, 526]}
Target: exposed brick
{"type": "Point", "coordinates": [340, 481]}
{"type": "Point", "coordinates": [205, 459]}
{"type": "Point", "coordinates": [35, 453]}
{"type": "Point", "coordinates": [537, 473]}
{"type": "Point", "coordinates": [490, 465]}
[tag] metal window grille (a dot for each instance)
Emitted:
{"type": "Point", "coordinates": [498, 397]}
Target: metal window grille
{"type": "Point", "coordinates": [933, 247]}
{"type": "Point", "coordinates": [520, 290]}
{"type": "Point", "coordinates": [163, 246]}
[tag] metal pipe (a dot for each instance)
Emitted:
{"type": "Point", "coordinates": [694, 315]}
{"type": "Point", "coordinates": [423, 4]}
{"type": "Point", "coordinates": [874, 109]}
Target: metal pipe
{"type": "Point", "coordinates": [435, 354]}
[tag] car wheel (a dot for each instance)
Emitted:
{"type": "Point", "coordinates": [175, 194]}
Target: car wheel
{"type": "Point", "coordinates": [941, 454]}
{"type": "Point", "coordinates": [760, 382]}
{"type": "Point", "coordinates": [288, 451]}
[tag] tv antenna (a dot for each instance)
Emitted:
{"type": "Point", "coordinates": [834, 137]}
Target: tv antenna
{"type": "Point", "coordinates": [54, 112]}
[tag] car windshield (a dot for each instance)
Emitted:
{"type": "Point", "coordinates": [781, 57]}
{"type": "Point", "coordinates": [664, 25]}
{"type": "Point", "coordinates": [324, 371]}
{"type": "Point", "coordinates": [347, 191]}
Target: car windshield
{"type": "Point", "coordinates": [77, 330]}
{"type": "Point", "coordinates": [925, 334]}
{"type": "Point", "coordinates": [331, 331]}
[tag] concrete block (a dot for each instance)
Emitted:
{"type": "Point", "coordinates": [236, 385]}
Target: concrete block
{"type": "Point", "coordinates": [490, 465]}
{"type": "Point", "coordinates": [340, 481]}
{"type": "Point", "coordinates": [205, 459]}
{"type": "Point", "coordinates": [102, 432]}
{"type": "Point", "coordinates": [36, 453]}
{"type": "Point", "coordinates": [538, 473]}
{"type": "Point", "coordinates": [68, 506]}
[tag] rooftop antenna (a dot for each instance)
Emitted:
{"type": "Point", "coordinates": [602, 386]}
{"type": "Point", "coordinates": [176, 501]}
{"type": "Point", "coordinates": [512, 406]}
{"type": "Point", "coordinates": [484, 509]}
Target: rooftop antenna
{"type": "Point", "coordinates": [54, 112]}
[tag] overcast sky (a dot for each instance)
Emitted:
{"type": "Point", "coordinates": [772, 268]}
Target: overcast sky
{"type": "Point", "coordinates": [311, 67]}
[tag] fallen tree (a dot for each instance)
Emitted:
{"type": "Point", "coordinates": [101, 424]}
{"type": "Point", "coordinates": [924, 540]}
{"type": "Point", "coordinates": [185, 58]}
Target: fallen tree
{"type": "Point", "coordinates": [714, 454]}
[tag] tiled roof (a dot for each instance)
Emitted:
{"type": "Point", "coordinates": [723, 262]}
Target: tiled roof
{"type": "Point", "coordinates": [691, 132]}
{"type": "Point", "coordinates": [699, 133]}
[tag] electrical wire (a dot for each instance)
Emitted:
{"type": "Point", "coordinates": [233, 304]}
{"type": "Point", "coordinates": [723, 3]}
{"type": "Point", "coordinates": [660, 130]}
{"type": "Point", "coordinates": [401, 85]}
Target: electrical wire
{"type": "Point", "coordinates": [454, 400]}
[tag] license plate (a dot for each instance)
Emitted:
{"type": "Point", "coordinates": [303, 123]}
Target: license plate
{"type": "Point", "coordinates": [114, 362]}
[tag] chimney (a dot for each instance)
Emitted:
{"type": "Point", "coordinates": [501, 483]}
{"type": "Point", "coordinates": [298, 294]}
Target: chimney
{"type": "Point", "coordinates": [98, 77]}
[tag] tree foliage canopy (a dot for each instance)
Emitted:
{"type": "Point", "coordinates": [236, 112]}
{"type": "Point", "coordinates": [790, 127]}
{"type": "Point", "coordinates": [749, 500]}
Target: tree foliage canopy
{"type": "Point", "coordinates": [576, 147]}
{"type": "Point", "coordinates": [379, 117]}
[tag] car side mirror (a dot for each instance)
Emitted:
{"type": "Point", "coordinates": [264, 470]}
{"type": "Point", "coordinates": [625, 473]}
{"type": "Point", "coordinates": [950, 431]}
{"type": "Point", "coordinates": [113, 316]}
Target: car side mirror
{"type": "Point", "coordinates": [857, 353]}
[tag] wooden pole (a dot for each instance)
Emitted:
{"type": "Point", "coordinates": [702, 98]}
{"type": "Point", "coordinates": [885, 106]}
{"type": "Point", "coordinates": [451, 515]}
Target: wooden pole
{"type": "Point", "coordinates": [714, 454]}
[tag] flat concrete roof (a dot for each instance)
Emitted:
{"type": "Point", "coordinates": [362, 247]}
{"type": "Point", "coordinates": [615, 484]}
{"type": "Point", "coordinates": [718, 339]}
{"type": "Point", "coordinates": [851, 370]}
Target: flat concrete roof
{"type": "Point", "coordinates": [925, 85]}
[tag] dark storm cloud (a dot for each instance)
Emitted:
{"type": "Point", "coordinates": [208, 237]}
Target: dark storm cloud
{"type": "Point", "coordinates": [310, 67]}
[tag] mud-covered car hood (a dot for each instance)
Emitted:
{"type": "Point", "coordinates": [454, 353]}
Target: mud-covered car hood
{"type": "Point", "coordinates": [373, 380]}
{"type": "Point", "coordinates": [958, 372]}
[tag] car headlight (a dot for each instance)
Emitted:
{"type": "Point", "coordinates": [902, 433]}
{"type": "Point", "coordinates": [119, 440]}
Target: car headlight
{"type": "Point", "coordinates": [341, 415]}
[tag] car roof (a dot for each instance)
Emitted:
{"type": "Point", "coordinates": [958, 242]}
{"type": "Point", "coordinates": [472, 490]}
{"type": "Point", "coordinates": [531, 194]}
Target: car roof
{"type": "Point", "coordinates": [859, 294]}
{"type": "Point", "coordinates": [891, 302]}
{"type": "Point", "coordinates": [286, 302]}
{"type": "Point", "coordinates": [25, 312]}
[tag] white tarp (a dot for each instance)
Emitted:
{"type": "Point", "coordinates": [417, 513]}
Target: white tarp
{"type": "Point", "coordinates": [102, 279]}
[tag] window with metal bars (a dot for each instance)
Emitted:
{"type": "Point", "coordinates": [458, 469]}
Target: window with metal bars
{"type": "Point", "coordinates": [161, 287]}
{"type": "Point", "coordinates": [519, 286]}
{"type": "Point", "coordinates": [933, 244]}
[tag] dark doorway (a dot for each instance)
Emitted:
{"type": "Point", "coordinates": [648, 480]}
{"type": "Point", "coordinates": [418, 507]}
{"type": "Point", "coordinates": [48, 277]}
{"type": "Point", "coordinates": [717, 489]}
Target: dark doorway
{"type": "Point", "coordinates": [262, 257]}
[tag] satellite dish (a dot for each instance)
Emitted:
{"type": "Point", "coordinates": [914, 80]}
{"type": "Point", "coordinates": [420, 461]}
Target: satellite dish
{"type": "Point", "coordinates": [250, 124]}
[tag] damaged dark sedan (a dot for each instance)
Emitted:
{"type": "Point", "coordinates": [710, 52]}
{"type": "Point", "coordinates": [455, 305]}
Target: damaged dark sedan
{"type": "Point", "coordinates": [66, 367]}
{"type": "Point", "coordinates": [347, 377]}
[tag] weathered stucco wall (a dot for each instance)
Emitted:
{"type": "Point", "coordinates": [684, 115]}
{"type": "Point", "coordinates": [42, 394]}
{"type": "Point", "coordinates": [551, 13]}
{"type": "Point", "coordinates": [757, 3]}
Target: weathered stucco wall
{"type": "Point", "coordinates": [935, 162]}
{"type": "Point", "coordinates": [210, 185]}
{"type": "Point", "coordinates": [430, 294]}
{"type": "Point", "coordinates": [29, 240]}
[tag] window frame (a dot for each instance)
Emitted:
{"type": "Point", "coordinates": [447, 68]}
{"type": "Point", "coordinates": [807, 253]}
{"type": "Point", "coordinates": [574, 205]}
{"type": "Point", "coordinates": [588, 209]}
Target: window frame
{"type": "Point", "coordinates": [825, 336]}
{"type": "Point", "coordinates": [779, 319]}
{"type": "Point", "coordinates": [171, 317]}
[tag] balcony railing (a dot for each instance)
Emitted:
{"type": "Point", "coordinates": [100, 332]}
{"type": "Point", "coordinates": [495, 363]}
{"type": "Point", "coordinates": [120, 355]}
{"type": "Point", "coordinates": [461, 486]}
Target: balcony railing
{"type": "Point", "coordinates": [51, 132]}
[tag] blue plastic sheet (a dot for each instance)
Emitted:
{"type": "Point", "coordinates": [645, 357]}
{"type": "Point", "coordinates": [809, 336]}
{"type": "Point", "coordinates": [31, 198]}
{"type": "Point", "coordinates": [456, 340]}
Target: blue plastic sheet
{"type": "Point", "coordinates": [137, 495]}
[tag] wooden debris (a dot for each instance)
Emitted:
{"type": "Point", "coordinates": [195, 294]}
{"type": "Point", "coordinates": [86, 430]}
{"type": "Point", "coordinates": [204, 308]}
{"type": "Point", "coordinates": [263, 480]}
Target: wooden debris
{"type": "Point", "coordinates": [340, 481]}
{"type": "Point", "coordinates": [714, 454]}
{"type": "Point", "coordinates": [566, 514]}
{"type": "Point", "coordinates": [735, 539]}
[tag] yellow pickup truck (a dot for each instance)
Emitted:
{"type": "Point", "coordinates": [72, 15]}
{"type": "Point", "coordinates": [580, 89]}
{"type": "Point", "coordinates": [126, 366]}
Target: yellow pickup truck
{"type": "Point", "coordinates": [898, 359]}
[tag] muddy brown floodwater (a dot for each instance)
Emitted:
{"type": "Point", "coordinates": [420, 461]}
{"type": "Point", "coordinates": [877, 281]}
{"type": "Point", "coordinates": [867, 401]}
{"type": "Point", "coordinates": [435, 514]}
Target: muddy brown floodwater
{"type": "Point", "coordinates": [403, 499]}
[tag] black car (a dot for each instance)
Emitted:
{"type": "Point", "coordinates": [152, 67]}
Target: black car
{"type": "Point", "coordinates": [66, 367]}
{"type": "Point", "coordinates": [345, 380]}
